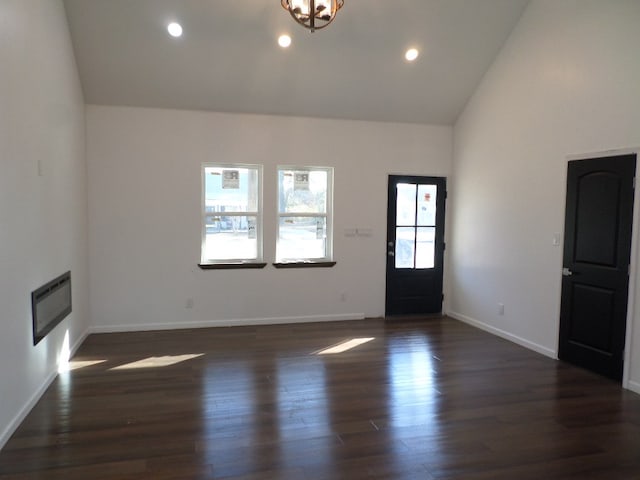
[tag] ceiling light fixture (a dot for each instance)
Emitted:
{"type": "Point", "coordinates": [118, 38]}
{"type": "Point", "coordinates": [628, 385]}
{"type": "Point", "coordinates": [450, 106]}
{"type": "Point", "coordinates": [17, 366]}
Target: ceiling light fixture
{"type": "Point", "coordinates": [284, 41]}
{"type": "Point", "coordinates": [411, 54]}
{"type": "Point", "coordinates": [174, 29]}
{"type": "Point", "coordinates": [313, 14]}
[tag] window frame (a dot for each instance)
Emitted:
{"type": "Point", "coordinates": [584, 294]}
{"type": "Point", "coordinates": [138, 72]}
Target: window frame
{"type": "Point", "coordinates": [213, 263]}
{"type": "Point", "coordinates": [327, 259]}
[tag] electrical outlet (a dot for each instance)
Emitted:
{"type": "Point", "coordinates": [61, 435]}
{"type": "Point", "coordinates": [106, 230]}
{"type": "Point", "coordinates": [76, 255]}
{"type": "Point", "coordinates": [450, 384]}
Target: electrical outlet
{"type": "Point", "coordinates": [188, 303]}
{"type": "Point", "coordinates": [501, 309]}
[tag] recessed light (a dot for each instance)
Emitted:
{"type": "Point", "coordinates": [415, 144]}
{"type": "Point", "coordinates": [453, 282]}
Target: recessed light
{"type": "Point", "coordinates": [284, 41]}
{"type": "Point", "coordinates": [411, 54]}
{"type": "Point", "coordinates": [174, 29]}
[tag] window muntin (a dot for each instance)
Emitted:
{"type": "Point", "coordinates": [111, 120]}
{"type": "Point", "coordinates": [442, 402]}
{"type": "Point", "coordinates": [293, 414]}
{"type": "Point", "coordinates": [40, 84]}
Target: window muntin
{"type": "Point", "coordinates": [304, 214]}
{"type": "Point", "coordinates": [231, 213]}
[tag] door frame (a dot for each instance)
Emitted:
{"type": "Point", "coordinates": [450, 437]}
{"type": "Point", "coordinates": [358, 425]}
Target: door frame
{"type": "Point", "coordinates": [633, 271]}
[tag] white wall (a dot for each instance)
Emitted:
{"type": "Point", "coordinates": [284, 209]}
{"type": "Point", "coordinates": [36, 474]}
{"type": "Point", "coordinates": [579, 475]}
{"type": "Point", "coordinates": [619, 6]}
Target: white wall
{"type": "Point", "coordinates": [566, 83]}
{"type": "Point", "coordinates": [144, 209]}
{"type": "Point", "coordinates": [43, 219]}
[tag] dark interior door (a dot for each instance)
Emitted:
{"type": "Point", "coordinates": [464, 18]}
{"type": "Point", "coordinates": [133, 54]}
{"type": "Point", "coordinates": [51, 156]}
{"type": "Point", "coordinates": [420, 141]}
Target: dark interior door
{"type": "Point", "coordinates": [597, 250]}
{"type": "Point", "coordinates": [415, 244]}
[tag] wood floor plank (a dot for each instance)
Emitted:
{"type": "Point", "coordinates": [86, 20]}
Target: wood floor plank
{"type": "Point", "coordinates": [429, 399]}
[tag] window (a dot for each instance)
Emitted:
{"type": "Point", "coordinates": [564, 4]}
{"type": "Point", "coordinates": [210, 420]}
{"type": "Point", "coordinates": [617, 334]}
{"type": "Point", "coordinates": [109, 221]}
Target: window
{"type": "Point", "coordinates": [231, 214]}
{"type": "Point", "coordinates": [415, 225]}
{"type": "Point", "coordinates": [304, 214]}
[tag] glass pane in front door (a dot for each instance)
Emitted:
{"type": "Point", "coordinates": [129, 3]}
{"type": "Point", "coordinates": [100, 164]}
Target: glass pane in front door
{"type": "Point", "coordinates": [426, 205]}
{"type": "Point", "coordinates": [406, 204]}
{"type": "Point", "coordinates": [425, 247]}
{"type": "Point", "coordinates": [405, 247]}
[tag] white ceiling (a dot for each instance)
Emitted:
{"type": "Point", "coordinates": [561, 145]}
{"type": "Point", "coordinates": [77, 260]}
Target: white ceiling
{"type": "Point", "coordinates": [228, 59]}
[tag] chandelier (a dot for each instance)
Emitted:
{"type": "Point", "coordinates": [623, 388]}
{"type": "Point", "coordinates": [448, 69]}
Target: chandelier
{"type": "Point", "coordinates": [313, 14]}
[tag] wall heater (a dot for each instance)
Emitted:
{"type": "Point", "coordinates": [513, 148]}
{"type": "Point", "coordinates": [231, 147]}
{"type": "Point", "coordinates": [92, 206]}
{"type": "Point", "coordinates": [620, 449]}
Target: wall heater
{"type": "Point", "coordinates": [50, 304]}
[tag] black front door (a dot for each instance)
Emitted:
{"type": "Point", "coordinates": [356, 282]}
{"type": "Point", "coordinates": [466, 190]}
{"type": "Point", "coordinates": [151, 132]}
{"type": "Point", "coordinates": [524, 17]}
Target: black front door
{"type": "Point", "coordinates": [597, 246]}
{"type": "Point", "coordinates": [415, 244]}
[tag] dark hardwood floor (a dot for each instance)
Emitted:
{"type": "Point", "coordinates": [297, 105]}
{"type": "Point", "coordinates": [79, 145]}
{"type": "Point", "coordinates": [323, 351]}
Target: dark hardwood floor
{"type": "Point", "coordinates": [430, 399]}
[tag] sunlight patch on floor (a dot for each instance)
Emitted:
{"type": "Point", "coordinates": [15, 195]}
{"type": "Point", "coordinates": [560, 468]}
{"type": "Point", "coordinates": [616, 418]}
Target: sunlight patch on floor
{"type": "Point", "coordinates": [156, 362]}
{"type": "Point", "coordinates": [344, 346]}
{"type": "Point", "coordinates": [78, 364]}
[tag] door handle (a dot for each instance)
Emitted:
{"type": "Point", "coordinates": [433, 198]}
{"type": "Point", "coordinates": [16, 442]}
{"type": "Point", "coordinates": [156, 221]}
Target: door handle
{"type": "Point", "coordinates": [566, 272]}
{"type": "Point", "coordinates": [391, 254]}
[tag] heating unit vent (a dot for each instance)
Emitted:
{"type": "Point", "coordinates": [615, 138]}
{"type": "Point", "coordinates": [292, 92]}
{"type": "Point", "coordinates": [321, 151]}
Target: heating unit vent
{"type": "Point", "coordinates": [50, 304]}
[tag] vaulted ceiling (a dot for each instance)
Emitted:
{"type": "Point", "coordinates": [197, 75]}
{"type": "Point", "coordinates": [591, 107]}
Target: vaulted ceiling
{"type": "Point", "coordinates": [228, 59]}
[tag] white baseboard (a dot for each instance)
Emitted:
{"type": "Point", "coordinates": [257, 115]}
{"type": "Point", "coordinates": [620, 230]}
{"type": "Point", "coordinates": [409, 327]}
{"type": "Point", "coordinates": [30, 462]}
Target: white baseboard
{"type": "Point", "coordinates": [506, 335]}
{"type": "Point", "coordinates": [24, 411]}
{"type": "Point", "coordinates": [633, 386]}
{"type": "Point", "coordinates": [234, 322]}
